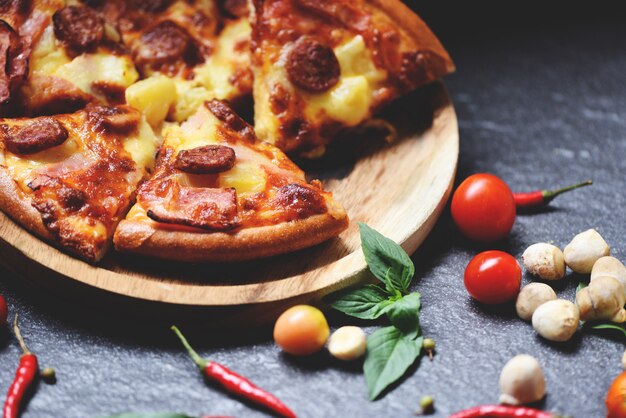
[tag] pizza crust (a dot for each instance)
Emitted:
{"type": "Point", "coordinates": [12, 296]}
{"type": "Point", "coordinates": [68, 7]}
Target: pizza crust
{"type": "Point", "coordinates": [142, 237]}
{"type": "Point", "coordinates": [410, 22]}
{"type": "Point", "coordinates": [18, 207]}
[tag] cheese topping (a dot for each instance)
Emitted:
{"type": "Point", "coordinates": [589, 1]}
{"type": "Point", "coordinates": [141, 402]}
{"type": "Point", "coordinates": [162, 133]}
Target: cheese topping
{"type": "Point", "coordinates": [142, 145]}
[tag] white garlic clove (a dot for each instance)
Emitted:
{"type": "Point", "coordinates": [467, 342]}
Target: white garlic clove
{"type": "Point", "coordinates": [556, 320]}
{"type": "Point", "coordinates": [584, 250]}
{"type": "Point", "coordinates": [347, 343]}
{"type": "Point", "coordinates": [603, 299]}
{"type": "Point", "coordinates": [609, 266]}
{"type": "Point", "coordinates": [531, 297]}
{"type": "Point", "coordinates": [544, 260]}
{"type": "Point", "coordinates": [522, 381]}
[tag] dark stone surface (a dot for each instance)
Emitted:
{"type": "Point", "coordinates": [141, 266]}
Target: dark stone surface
{"type": "Point", "coordinates": [541, 97]}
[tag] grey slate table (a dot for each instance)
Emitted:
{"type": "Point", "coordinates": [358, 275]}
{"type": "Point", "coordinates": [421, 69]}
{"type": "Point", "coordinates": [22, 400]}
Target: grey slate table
{"type": "Point", "coordinates": [541, 98]}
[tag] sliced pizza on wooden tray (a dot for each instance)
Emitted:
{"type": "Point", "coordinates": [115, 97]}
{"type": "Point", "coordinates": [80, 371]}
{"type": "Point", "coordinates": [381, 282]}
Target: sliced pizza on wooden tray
{"type": "Point", "coordinates": [323, 66]}
{"type": "Point", "coordinates": [202, 48]}
{"type": "Point", "coordinates": [71, 178]}
{"type": "Point", "coordinates": [218, 194]}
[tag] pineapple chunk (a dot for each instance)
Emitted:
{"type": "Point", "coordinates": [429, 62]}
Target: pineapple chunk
{"type": "Point", "coordinates": [153, 96]}
{"type": "Point", "coordinates": [348, 102]}
{"type": "Point", "coordinates": [245, 177]}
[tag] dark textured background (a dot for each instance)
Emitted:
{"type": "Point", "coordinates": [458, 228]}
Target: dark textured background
{"type": "Point", "coordinates": [541, 98]}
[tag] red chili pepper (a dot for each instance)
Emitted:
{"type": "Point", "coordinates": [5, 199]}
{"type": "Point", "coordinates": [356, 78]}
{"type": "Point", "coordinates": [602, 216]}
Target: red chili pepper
{"type": "Point", "coordinates": [543, 197]}
{"type": "Point", "coordinates": [503, 411]}
{"type": "Point", "coordinates": [235, 383]}
{"type": "Point", "coordinates": [24, 377]}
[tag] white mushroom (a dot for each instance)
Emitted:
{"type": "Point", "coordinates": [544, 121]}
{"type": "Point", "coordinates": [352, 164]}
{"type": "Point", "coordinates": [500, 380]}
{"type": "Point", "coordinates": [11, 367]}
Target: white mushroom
{"type": "Point", "coordinates": [347, 343]}
{"type": "Point", "coordinates": [556, 320]}
{"type": "Point", "coordinates": [609, 266]}
{"type": "Point", "coordinates": [522, 381]}
{"type": "Point", "coordinates": [544, 260]}
{"type": "Point", "coordinates": [531, 297]}
{"type": "Point", "coordinates": [584, 250]}
{"type": "Point", "coordinates": [604, 298]}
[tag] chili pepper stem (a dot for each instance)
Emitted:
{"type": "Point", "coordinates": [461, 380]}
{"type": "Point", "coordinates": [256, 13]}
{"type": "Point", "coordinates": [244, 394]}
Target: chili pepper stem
{"type": "Point", "coordinates": [18, 335]}
{"type": "Point", "coordinates": [548, 195]}
{"type": "Point", "coordinates": [200, 362]}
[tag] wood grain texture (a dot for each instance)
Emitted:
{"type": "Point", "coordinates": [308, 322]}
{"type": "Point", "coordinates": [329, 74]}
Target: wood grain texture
{"type": "Point", "coordinates": [399, 189]}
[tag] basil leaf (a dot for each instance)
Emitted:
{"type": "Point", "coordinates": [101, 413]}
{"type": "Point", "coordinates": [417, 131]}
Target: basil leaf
{"type": "Point", "coordinates": [149, 415]}
{"type": "Point", "coordinates": [368, 302]}
{"type": "Point", "coordinates": [581, 286]}
{"type": "Point", "coordinates": [404, 314]}
{"type": "Point", "coordinates": [616, 327]}
{"type": "Point", "coordinates": [389, 354]}
{"type": "Point", "coordinates": [386, 260]}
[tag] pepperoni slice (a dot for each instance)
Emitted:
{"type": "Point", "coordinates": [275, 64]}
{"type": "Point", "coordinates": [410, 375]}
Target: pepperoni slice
{"type": "Point", "coordinates": [210, 159]}
{"type": "Point", "coordinates": [119, 119]}
{"type": "Point", "coordinates": [232, 120]}
{"type": "Point", "coordinates": [79, 27]}
{"type": "Point", "coordinates": [312, 66]}
{"type": "Point", "coordinates": [34, 136]}
{"type": "Point", "coordinates": [164, 43]}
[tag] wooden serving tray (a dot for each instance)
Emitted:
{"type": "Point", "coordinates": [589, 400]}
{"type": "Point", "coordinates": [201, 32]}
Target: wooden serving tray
{"type": "Point", "coordinates": [399, 189]}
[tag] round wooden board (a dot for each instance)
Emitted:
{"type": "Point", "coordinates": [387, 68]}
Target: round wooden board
{"type": "Point", "coordinates": [399, 189]}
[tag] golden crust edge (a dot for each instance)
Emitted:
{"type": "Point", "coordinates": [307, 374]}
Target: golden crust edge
{"type": "Point", "coordinates": [247, 244]}
{"type": "Point", "coordinates": [409, 21]}
{"type": "Point", "coordinates": [20, 209]}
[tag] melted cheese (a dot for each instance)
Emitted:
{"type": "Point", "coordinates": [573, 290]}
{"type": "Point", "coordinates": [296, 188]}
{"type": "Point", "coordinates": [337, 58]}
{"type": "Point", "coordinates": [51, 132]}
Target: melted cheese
{"type": "Point", "coordinates": [153, 96]}
{"type": "Point", "coordinates": [216, 73]}
{"type": "Point", "coordinates": [86, 69]}
{"type": "Point", "coordinates": [212, 80]}
{"type": "Point", "coordinates": [49, 60]}
{"type": "Point", "coordinates": [245, 177]}
{"type": "Point", "coordinates": [143, 145]}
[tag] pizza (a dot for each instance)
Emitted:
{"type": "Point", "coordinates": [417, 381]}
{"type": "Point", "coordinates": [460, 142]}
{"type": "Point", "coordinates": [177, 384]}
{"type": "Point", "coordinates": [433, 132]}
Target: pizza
{"type": "Point", "coordinates": [119, 123]}
{"type": "Point", "coordinates": [321, 67]}
{"type": "Point", "coordinates": [71, 178]}
{"type": "Point", "coordinates": [219, 194]}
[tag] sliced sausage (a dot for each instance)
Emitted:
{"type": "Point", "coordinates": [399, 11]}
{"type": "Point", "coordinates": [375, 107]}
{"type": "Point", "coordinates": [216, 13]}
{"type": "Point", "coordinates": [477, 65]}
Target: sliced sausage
{"type": "Point", "coordinates": [210, 159]}
{"type": "Point", "coordinates": [34, 136]}
{"type": "Point", "coordinates": [312, 66]}
{"type": "Point", "coordinates": [80, 27]}
{"type": "Point", "coordinates": [232, 120]}
{"type": "Point", "coordinates": [164, 43]}
{"type": "Point", "coordinates": [120, 119]}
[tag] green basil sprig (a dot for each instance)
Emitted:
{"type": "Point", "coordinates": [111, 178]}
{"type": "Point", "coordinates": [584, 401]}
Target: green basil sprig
{"type": "Point", "coordinates": [393, 349]}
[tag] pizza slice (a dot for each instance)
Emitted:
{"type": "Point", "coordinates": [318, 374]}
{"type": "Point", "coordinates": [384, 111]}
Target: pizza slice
{"type": "Point", "coordinates": [73, 57]}
{"type": "Point", "coordinates": [71, 178]}
{"type": "Point", "coordinates": [321, 67]}
{"type": "Point", "coordinates": [218, 194]}
{"type": "Point", "coordinates": [201, 47]}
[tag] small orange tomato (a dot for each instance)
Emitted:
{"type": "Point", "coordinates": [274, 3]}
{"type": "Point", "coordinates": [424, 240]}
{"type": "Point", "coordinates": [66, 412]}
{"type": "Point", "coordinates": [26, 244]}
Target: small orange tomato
{"type": "Point", "coordinates": [301, 330]}
{"type": "Point", "coordinates": [616, 398]}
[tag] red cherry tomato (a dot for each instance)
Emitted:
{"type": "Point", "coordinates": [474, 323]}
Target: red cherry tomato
{"type": "Point", "coordinates": [483, 208]}
{"type": "Point", "coordinates": [616, 398]}
{"type": "Point", "coordinates": [493, 277]}
{"type": "Point", "coordinates": [3, 312]}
